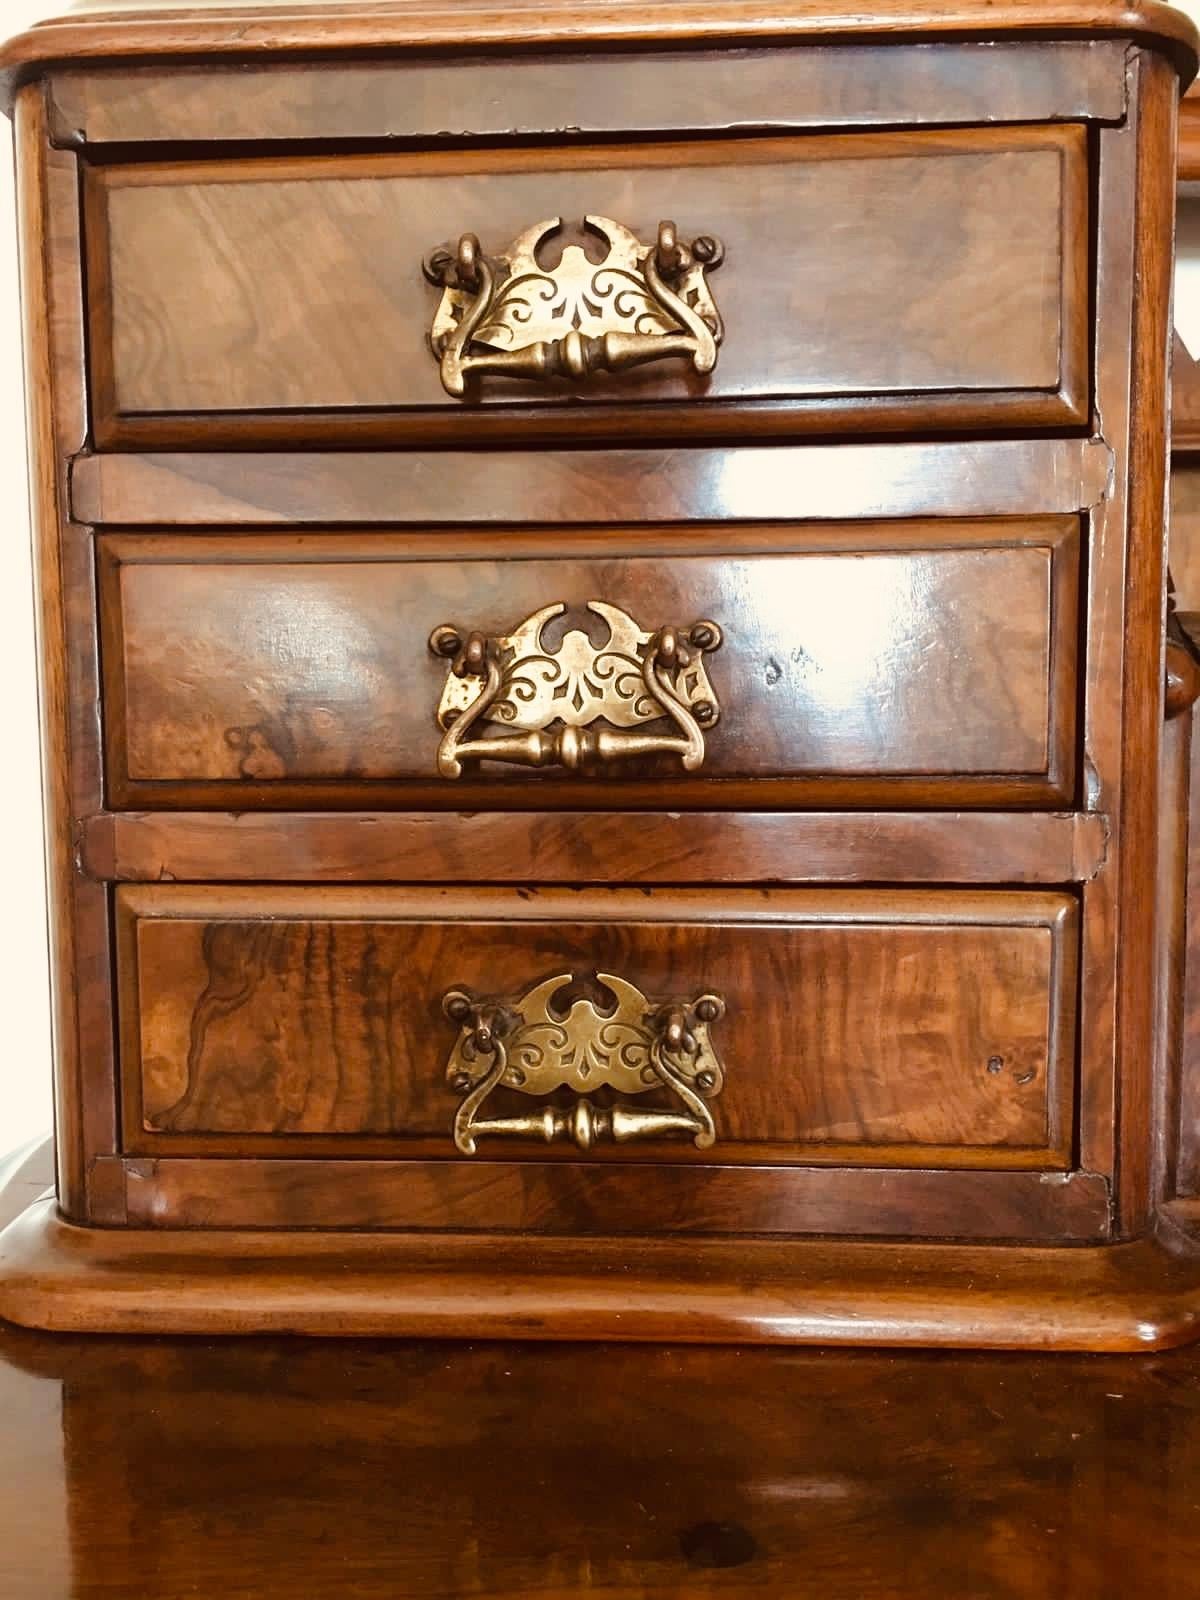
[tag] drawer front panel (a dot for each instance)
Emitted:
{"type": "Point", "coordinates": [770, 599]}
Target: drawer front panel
{"type": "Point", "coordinates": [932, 661]}
{"type": "Point", "coordinates": [909, 280]}
{"type": "Point", "coordinates": [907, 1028]}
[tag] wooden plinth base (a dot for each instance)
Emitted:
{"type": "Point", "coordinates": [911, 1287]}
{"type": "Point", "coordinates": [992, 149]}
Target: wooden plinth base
{"type": "Point", "coordinates": [1139, 1296]}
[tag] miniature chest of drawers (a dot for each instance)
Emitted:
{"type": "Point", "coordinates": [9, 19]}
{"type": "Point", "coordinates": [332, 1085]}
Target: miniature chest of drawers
{"type": "Point", "coordinates": [603, 634]}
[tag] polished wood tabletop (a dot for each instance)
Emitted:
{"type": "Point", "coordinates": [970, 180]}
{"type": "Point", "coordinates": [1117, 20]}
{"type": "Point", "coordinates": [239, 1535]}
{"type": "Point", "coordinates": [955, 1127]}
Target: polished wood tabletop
{"type": "Point", "coordinates": [337, 1470]}
{"type": "Point", "coordinates": [316, 1469]}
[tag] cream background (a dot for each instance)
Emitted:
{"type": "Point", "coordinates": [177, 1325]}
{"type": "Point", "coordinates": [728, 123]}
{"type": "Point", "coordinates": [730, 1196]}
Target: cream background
{"type": "Point", "coordinates": [24, 989]}
{"type": "Point", "coordinates": [24, 993]}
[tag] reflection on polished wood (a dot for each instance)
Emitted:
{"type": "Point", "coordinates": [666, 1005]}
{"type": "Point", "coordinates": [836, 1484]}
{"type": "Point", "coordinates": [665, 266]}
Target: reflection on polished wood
{"type": "Point", "coordinates": [283, 1470]}
{"type": "Point", "coordinates": [924, 1027]}
{"type": "Point", "coordinates": [883, 662]}
{"type": "Point", "coordinates": [246, 286]}
{"type": "Point", "coordinates": [597, 846]}
{"type": "Point", "coordinates": [987, 478]}
{"type": "Point", "coordinates": [277, 1469]}
{"type": "Point", "coordinates": [947, 1107]}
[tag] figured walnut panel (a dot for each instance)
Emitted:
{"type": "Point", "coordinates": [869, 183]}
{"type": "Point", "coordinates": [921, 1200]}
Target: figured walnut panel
{"type": "Point", "coordinates": [853, 270]}
{"type": "Point", "coordinates": [941, 653]}
{"type": "Point", "coordinates": [901, 1025]}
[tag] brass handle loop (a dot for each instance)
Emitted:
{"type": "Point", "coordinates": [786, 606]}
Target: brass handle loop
{"type": "Point", "coordinates": [614, 1039]}
{"type": "Point", "coordinates": [505, 314]}
{"type": "Point", "coordinates": [512, 699]}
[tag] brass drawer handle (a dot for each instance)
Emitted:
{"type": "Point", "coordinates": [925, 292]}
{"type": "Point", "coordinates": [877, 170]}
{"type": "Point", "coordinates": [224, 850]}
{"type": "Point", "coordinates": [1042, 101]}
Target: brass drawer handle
{"type": "Point", "coordinates": [611, 1037]}
{"type": "Point", "coordinates": [549, 701]}
{"type": "Point", "coordinates": [506, 313]}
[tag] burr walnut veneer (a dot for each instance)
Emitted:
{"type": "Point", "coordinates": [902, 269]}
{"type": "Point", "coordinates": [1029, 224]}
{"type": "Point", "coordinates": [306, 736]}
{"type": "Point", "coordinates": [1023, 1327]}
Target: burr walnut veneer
{"type": "Point", "coordinates": [605, 663]}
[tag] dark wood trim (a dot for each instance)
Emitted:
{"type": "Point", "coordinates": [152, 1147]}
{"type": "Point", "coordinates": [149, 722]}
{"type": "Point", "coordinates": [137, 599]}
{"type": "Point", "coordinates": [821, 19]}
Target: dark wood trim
{"type": "Point", "coordinates": [1120, 740]}
{"type": "Point", "coordinates": [986, 907]}
{"type": "Point", "coordinates": [596, 847]}
{"type": "Point", "coordinates": [714, 421]}
{"type": "Point", "coordinates": [48, 204]}
{"type": "Point", "coordinates": [1183, 1146]}
{"type": "Point", "coordinates": [456, 98]}
{"type": "Point", "coordinates": [1145, 599]}
{"type": "Point", "coordinates": [599, 1199]}
{"type": "Point", "coordinates": [254, 31]}
{"type": "Point", "coordinates": [578, 487]}
{"type": "Point", "coordinates": [993, 792]}
{"type": "Point", "coordinates": [1059, 533]}
{"type": "Point", "coordinates": [1131, 1297]}
{"type": "Point", "coordinates": [1174, 820]}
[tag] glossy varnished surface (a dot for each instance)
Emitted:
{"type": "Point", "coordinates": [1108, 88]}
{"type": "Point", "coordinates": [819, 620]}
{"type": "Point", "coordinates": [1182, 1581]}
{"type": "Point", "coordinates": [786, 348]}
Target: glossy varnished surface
{"type": "Point", "coordinates": [924, 1028]}
{"type": "Point", "coordinates": [243, 287]}
{"type": "Point", "coordinates": [579, 847]}
{"type": "Point", "coordinates": [247, 1238]}
{"type": "Point", "coordinates": [201, 489]}
{"type": "Point", "coordinates": [853, 656]}
{"type": "Point", "coordinates": [173, 27]}
{"type": "Point", "coordinates": [370, 1471]}
{"type": "Point", "coordinates": [820, 87]}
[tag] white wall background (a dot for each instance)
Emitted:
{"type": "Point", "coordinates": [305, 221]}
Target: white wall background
{"type": "Point", "coordinates": [24, 992]}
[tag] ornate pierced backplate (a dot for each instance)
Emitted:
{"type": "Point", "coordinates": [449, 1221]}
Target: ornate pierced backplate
{"type": "Point", "coordinates": [511, 314]}
{"type": "Point", "coordinates": [586, 1047]}
{"type": "Point", "coordinates": [580, 681]}
{"type": "Point", "coordinates": [536, 304]}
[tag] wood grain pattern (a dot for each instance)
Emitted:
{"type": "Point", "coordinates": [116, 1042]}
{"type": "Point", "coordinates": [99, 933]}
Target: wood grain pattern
{"type": "Point", "coordinates": [1183, 688]}
{"type": "Point", "coordinates": [165, 28]}
{"type": "Point", "coordinates": [576, 847]}
{"type": "Point", "coordinates": [941, 1022]}
{"type": "Point", "coordinates": [1183, 1154]}
{"type": "Point", "coordinates": [296, 286]}
{"type": "Point", "coordinates": [1181, 1141]}
{"type": "Point", "coordinates": [454, 98]}
{"type": "Point", "coordinates": [607, 1199]}
{"type": "Point", "coordinates": [941, 652]}
{"type": "Point", "coordinates": [1145, 595]}
{"type": "Point", "coordinates": [350, 488]}
{"type": "Point", "coordinates": [1102, 707]}
{"type": "Point", "coordinates": [56, 395]}
{"type": "Point", "coordinates": [1185, 533]}
{"type": "Point", "coordinates": [326, 1469]}
{"type": "Point", "coordinates": [1132, 1297]}
{"type": "Point", "coordinates": [238, 1208]}
{"type": "Point", "coordinates": [1125, 610]}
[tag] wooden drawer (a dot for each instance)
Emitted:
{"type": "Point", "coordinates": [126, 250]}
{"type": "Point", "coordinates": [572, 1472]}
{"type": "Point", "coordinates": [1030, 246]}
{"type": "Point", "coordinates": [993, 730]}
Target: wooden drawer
{"type": "Point", "coordinates": [914, 1028]}
{"type": "Point", "coordinates": [929, 662]}
{"type": "Point", "coordinates": [900, 280]}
